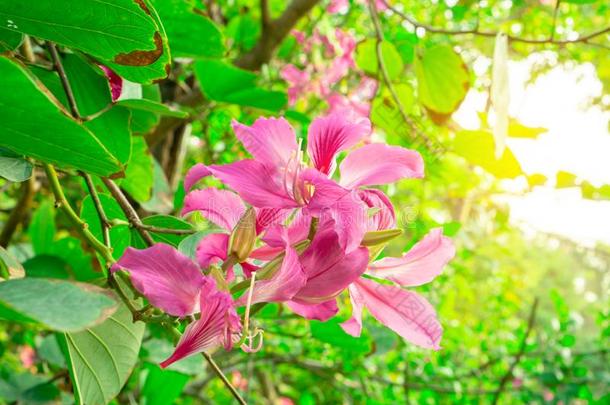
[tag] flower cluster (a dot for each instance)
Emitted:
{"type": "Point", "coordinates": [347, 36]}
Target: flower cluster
{"type": "Point", "coordinates": [301, 235]}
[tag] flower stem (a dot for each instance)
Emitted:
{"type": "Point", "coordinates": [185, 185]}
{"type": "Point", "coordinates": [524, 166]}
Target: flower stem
{"type": "Point", "coordinates": [224, 378]}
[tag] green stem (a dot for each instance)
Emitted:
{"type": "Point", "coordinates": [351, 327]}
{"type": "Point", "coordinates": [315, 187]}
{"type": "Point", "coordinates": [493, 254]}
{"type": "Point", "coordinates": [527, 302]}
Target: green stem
{"type": "Point", "coordinates": [80, 225]}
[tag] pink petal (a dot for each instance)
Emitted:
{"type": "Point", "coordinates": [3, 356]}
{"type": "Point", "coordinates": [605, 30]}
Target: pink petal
{"type": "Point", "coordinates": [336, 6]}
{"type": "Point", "coordinates": [330, 135]}
{"type": "Point", "coordinates": [195, 173]}
{"type": "Point", "coordinates": [349, 216]}
{"type": "Point", "coordinates": [255, 182]}
{"type": "Point", "coordinates": [269, 140]}
{"type": "Point", "coordinates": [222, 207]}
{"type": "Point", "coordinates": [321, 312]}
{"type": "Point", "coordinates": [421, 264]}
{"type": "Point", "coordinates": [385, 218]}
{"type": "Point", "coordinates": [294, 75]}
{"type": "Point", "coordinates": [405, 312]}
{"type": "Point", "coordinates": [297, 231]}
{"type": "Point", "coordinates": [167, 278]}
{"type": "Point", "coordinates": [284, 284]}
{"type": "Point", "coordinates": [326, 191]}
{"type": "Point", "coordinates": [353, 326]}
{"type": "Point", "coordinates": [218, 325]}
{"type": "Point", "coordinates": [377, 164]}
{"type": "Point", "coordinates": [115, 81]}
{"type": "Point", "coordinates": [329, 270]}
{"type": "Point", "coordinates": [266, 252]}
{"type": "Point", "coordinates": [267, 217]}
{"type": "Point", "coordinates": [212, 249]}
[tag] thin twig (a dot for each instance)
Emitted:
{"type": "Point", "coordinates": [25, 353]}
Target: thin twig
{"type": "Point", "coordinates": [104, 223]}
{"type": "Point", "coordinates": [386, 77]}
{"type": "Point", "coordinates": [492, 34]}
{"type": "Point", "coordinates": [224, 378]}
{"type": "Point", "coordinates": [130, 212]}
{"type": "Point", "coordinates": [157, 229]}
{"type": "Point", "coordinates": [509, 373]}
{"type": "Point", "coordinates": [64, 79]}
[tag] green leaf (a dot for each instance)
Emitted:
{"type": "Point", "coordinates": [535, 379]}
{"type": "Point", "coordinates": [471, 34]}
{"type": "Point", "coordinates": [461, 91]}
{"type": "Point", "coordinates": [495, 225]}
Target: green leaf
{"type": "Point", "coordinates": [28, 388]}
{"type": "Point", "coordinates": [14, 167]}
{"type": "Point", "coordinates": [124, 33]}
{"type": "Point", "coordinates": [153, 106]}
{"type": "Point", "coordinates": [221, 81]}
{"type": "Point", "coordinates": [442, 80]}
{"type": "Point", "coordinates": [478, 148]}
{"type": "Point", "coordinates": [47, 266]}
{"type": "Point", "coordinates": [9, 40]}
{"type": "Point", "coordinates": [101, 358]}
{"type": "Point", "coordinates": [190, 33]}
{"type": "Point", "coordinates": [9, 266]}
{"type": "Point", "coordinates": [157, 350]}
{"type": "Point", "coordinates": [89, 85]}
{"type": "Point", "coordinates": [166, 221]}
{"type": "Point", "coordinates": [34, 124]}
{"type": "Point", "coordinates": [162, 387]}
{"type": "Point", "coordinates": [49, 351]}
{"type": "Point", "coordinates": [366, 58]}
{"type": "Point", "coordinates": [565, 179]}
{"type": "Point", "coordinates": [161, 200]}
{"type": "Point", "coordinates": [70, 249]}
{"type": "Point", "coordinates": [330, 332]}
{"type": "Point", "coordinates": [120, 235]}
{"type": "Point", "coordinates": [385, 113]}
{"type": "Point", "coordinates": [112, 128]}
{"type": "Point", "coordinates": [188, 245]}
{"type": "Point", "coordinates": [139, 178]}
{"type": "Point", "coordinates": [42, 228]}
{"type": "Point", "coordinates": [143, 121]}
{"type": "Point", "coordinates": [55, 304]}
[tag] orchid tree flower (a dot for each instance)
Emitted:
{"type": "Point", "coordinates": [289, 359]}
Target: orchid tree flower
{"type": "Point", "coordinates": [403, 311]}
{"type": "Point", "coordinates": [175, 284]}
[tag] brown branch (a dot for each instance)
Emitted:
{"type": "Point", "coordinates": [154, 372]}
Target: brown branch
{"type": "Point", "coordinates": [509, 373]}
{"type": "Point", "coordinates": [130, 212]}
{"type": "Point", "coordinates": [265, 16]}
{"type": "Point", "coordinates": [386, 77]}
{"type": "Point", "coordinates": [104, 223]}
{"type": "Point", "coordinates": [492, 34]}
{"type": "Point", "coordinates": [59, 68]}
{"type": "Point", "coordinates": [271, 38]}
{"type": "Point", "coordinates": [157, 229]}
{"type": "Point", "coordinates": [18, 213]}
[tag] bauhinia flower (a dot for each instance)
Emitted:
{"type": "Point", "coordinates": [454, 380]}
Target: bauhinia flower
{"type": "Point", "coordinates": [302, 235]}
{"type": "Point", "coordinates": [174, 283]}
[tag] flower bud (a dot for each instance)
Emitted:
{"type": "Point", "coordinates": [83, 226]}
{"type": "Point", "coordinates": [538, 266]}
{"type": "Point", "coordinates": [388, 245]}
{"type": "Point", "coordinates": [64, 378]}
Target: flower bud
{"type": "Point", "coordinates": [243, 236]}
{"type": "Point", "coordinates": [373, 238]}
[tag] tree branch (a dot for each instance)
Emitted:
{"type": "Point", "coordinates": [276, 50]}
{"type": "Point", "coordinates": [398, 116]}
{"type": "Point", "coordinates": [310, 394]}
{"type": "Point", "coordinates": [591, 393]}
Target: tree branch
{"type": "Point", "coordinates": [104, 223]}
{"type": "Point", "coordinates": [59, 68]}
{"type": "Point", "coordinates": [509, 374]}
{"type": "Point", "coordinates": [130, 212]}
{"type": "Point", "coordinates": [271, 38]}
{"type": "Point", "coordinates": [492, 34]}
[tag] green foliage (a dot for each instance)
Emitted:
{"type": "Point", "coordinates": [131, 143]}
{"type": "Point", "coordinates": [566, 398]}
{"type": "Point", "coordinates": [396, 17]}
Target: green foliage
{"type": "Point", "coordinates": [34, 300]}
{"type": "Point", "coordinates": [100, 358]}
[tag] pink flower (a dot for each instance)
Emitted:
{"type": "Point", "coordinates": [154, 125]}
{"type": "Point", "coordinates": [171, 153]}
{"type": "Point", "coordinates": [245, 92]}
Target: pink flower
{"type": "Point", "coordinates": [219, 325]}
{"type": "Point", "coordinates": [405, 312]}
{"type": "Point", "coordinates": [298, 80]}
{"type": "Point", "coordinates": [172, 282]}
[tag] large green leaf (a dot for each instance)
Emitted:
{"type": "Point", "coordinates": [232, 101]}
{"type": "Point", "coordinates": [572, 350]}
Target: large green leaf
{"type": "Point", "coordinates": [163, 221]}
{"type": "Point", "coordinates": [101, 358]}
{"type": "Point", "coordinates": [55, 304]}
{"type": "Point", "coordinates": [221, 81]}
{"type": "Point", "coordinates": [14, 167]}
{"type": "Point", "coordinates": [112, 128]}
{"type": "Point", "coordinates": [9, 40]}
{"type": "Point", "coordinates": [34, 124]}
{"type": "Point", "coordinates": [123, 33]}
{"type": "Point", "coordinates": [478, 148]}
{"type": "Point", "coordinates": [88, 83]}
{"type": "Point", "coordinates": [366, 58]}
{"type": "Point", "coordinates": [442, 80]}
{"type": "Point", "coordinates": [190, 33]}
